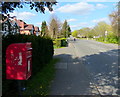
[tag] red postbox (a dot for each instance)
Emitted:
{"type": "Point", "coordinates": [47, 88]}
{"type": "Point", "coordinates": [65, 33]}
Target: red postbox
{"type": "Point", "coordinates": [18, 61]}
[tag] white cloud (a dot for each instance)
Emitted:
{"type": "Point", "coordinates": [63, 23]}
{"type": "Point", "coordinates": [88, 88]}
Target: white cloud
{"type": "Point", "coordinates": [100, 6]}
{"type": "Point", "coordinates": [82, 24]}
{"type": "Point", "coordinates": [22, 15]}
{"type": "Point", "coordinates": [80, 8]}
{"type": "Point", "coordinates": [102, 0]}
{"type": "Point", "coordinates": [47, 10]}
{"type": "Point", "coordinates": [87, 0]}
{"type": "Point", "coordinates": [91, 26]}
{"type": "Point", "coordinates": [74, 26]}
{"type": "Point", "coordinates": [71, 20]}
{"type": "Point", "coordinates": [39, 23]}
{"type": "Point", "coordinates": [52, 12]}
{"type": "Point", "coordinates": [101, 19]}
{"type": "Point", "coordinates": [96, 0]}
{"type": "Point", "coordinates": [77, 8]}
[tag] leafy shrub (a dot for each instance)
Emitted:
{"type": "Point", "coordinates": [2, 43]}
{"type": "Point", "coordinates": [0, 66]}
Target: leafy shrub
{"type": "Point", "coordinates": [42, 53]}
{"type": "Point", "coordinates": [54, 42]}
{"type": "Point", "coordinates": [61, 42]}
{"type": "Point", "coordinates": [58, 42]}
{"type": "Point", "coordinates": [110, 39]}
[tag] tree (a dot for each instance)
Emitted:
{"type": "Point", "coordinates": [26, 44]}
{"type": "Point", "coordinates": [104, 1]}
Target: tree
{"type": "Point", "coordinates": [80, 33]}
{"type": "Point", "coordinates": [84, 32]}
{"type": "Point", "coordinates": [54, 27]}
{"type": "Point", "coordinates": [37, 6]}
{"type": "Point", "coordinates": [65, 29]}
{"type": "Point", "coordinates": [115, 20]}
{"type": "Point", "coordinates": [69, 30]}
{"type": "Point", "coordinates": [91, 33]}
{"type": "Point", "coordinates": [100, 28]}
{"type": "Point", "coordinates": [44, 29]}
{"type": "Point", "coordinates": [75, 33]}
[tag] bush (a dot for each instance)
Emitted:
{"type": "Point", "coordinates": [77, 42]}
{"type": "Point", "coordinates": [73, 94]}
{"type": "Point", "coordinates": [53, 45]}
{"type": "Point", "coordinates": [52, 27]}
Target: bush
{"type": "Point", "coordinates": [42, 53]}
{"type": "Point", "coordinates": [100, 39]}
{"type": "Point", "coordinates": [110, 39]}
{"type": "Point", "coordinates": [58, 42]}
{"type": "Point", "coordinates": [61, 42]}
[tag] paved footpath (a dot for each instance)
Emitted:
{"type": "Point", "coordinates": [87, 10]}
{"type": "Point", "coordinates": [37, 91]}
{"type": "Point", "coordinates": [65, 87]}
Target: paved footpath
{"type": "Point", "coordinates": [72, 78]}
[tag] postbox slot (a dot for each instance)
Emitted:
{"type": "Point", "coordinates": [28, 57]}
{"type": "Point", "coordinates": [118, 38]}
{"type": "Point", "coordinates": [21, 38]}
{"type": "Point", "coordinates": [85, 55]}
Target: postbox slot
{"type": "Point", "coordinates": [29, 49]}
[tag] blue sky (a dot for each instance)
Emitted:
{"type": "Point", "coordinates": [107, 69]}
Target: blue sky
{"type": "Point", "coordinates": [78, 14]}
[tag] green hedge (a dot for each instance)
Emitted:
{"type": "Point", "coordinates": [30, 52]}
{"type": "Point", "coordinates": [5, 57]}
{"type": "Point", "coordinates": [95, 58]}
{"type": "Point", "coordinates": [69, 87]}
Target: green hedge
{"type": "Point", "coordinates": [111, 39]}
{"type": "Point", "coordinates": [58, 43]}
{"type": "Point", "coordinates": [61, 42]}
{"type": "Point", "coordinates": [42, 53]}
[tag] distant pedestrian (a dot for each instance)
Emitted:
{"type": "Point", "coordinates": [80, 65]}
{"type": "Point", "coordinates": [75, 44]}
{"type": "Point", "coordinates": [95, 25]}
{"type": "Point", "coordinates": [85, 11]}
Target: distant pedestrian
{"type": "Point", "coordinates": [74, 39]}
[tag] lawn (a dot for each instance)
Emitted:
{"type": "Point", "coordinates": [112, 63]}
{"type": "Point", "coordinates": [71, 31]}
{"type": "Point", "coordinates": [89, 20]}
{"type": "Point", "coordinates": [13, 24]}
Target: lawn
{"type": "Point", "coordinates": [40, 83]}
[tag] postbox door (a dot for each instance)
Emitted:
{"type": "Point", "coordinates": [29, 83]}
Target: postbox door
{"type": "Point", "coordinates": [18, 61]}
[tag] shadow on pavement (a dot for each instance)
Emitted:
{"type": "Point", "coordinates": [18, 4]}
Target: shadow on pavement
{"type": "Point", "coordinates": [71, 78]}
{"type": "Point", "coordinates": [88, 75]}
{"type": "Point", "coordinates": [104, 69]}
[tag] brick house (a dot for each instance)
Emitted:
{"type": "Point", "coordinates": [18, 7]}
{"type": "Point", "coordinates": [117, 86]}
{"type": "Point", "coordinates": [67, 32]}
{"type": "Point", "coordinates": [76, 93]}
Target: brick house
{"type": "Point", "coordinates": [27, 29]}
{"type": "Point", "coordinates": [12, 25]}
{"type": "Point", "coordinates": [37, 31]}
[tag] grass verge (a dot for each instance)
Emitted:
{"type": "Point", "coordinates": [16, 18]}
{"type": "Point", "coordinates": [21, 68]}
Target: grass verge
{"type": "Point", "coordinates": [40, 83]}
{"type": "Point", "coordinates": [55, 47]}
{"type": "Point", "coordinates": [106, 42]}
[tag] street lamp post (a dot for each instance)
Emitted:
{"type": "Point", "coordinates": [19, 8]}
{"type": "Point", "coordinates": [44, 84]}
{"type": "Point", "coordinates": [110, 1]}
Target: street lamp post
{"type": "Point", "coordinates": [106, 35]}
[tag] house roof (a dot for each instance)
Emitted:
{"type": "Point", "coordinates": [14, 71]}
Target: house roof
{"type": "Point", "coordinates": [19, 22]}
{"type": "Point", "coordinates": [36, 28]}
{"type": "Point", "coordinates": [26, 26]}
{"type": "Point", "coordinates": [29, 26]}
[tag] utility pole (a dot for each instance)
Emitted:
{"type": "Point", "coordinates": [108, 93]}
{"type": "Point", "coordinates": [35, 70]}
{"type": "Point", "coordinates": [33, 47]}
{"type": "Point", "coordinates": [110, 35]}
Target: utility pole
{"type": "Point", "coordinates": [106, 35]}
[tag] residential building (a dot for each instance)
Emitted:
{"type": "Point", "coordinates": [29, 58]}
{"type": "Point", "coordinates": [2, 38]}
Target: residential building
{"type": "Point", "coordinates": [27, 29]}
{"type": "Point", "coordinates": [37, 31]}
{"type": "Point", "coordinates": [13, 25]}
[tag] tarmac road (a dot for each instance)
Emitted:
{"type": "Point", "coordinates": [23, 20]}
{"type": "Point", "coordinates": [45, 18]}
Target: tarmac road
{"type": "Point", "coordinates": [87, 67]}
{"type": "Point", "coordinates": [101, 60]}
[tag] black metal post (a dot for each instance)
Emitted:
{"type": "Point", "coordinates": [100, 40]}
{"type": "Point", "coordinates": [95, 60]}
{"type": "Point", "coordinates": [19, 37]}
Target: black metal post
{"type": "Point", "coordinates": [19, 88]}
